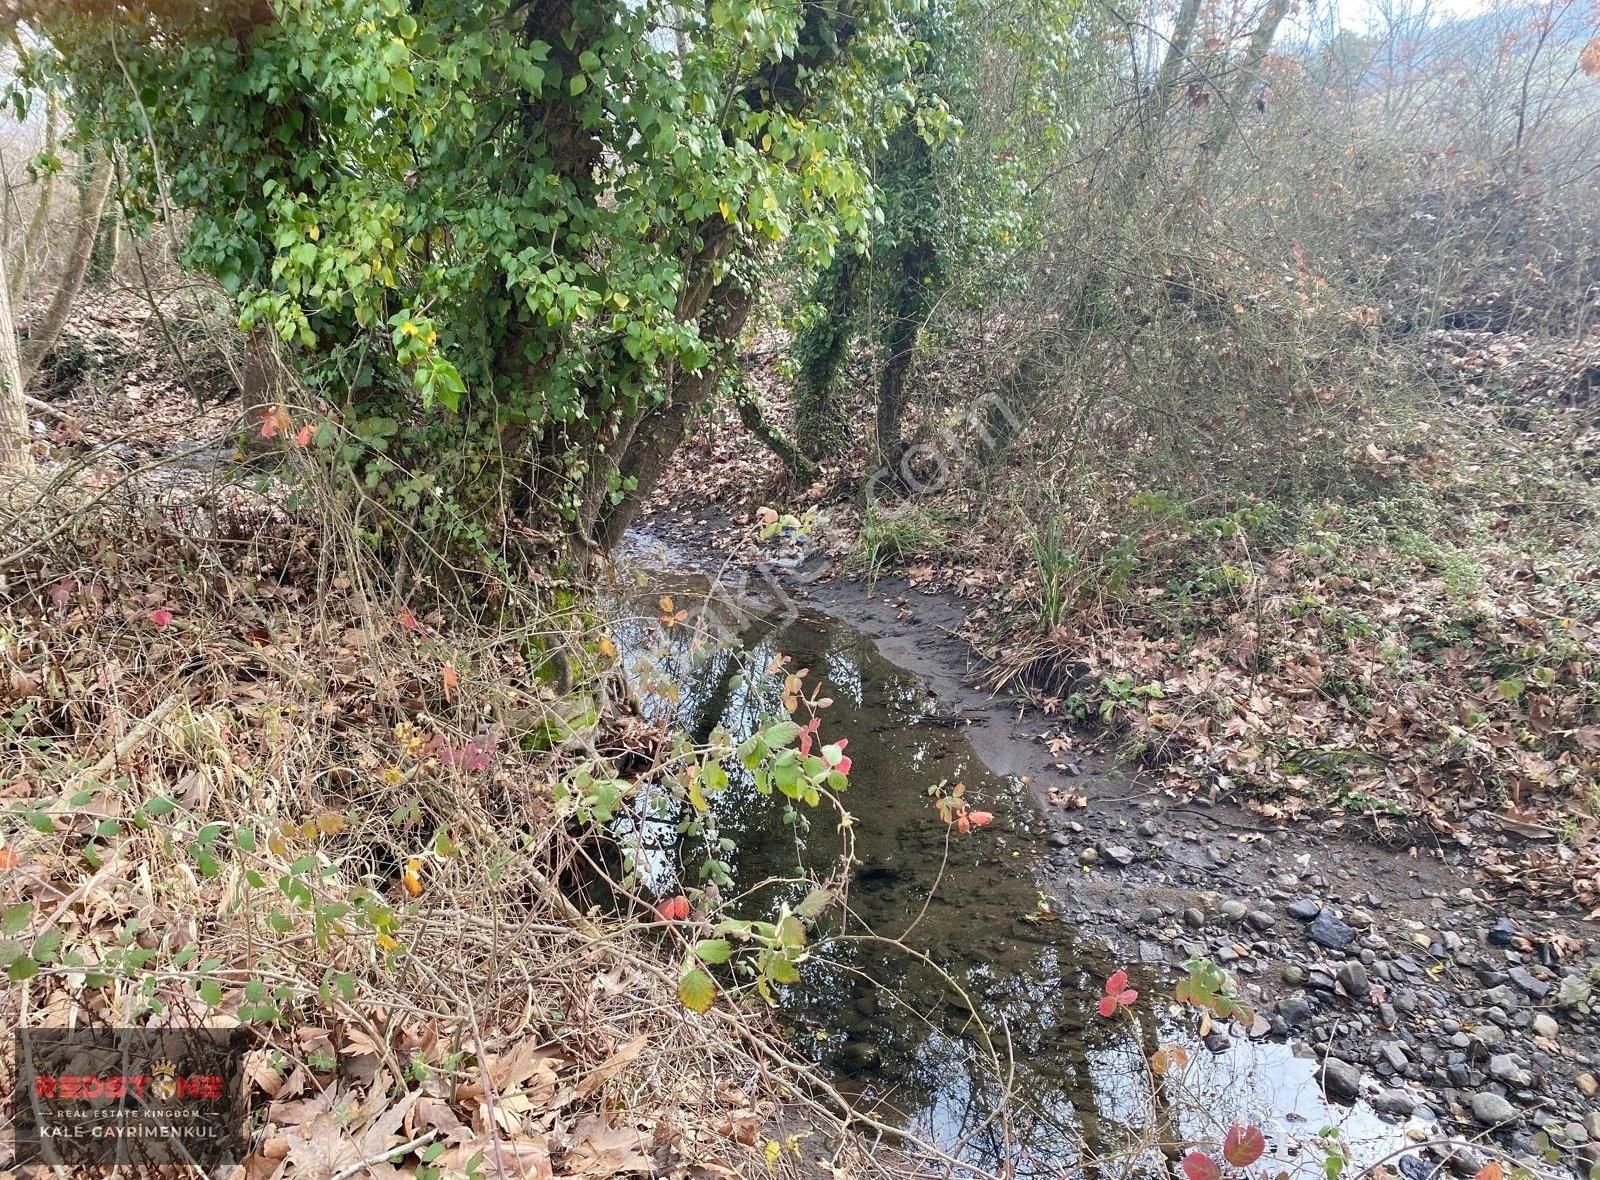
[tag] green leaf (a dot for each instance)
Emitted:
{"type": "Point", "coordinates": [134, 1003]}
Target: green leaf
{"type": "Point", "coordinates": [47, 946]}
{"type": "Point", "coordinates": [210, 993]}
{"type": "Point", "coordinates": [780, 734]}
{"type": "Point", "coordinates": [16, 918]}
{"type": "Point", "coordinates": [696, 992]}
{"type": "Point", "coordinates": [23, 968]}
{"type": "Point", "coordinates": [713, 950]}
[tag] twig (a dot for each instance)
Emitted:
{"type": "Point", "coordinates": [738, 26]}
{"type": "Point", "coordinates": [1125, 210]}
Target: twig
{"type": "Point", "coordinates": [349, 1170]}
{"type": "Point", "coordinates": [46, 409]}
{"type": "Point", "coordinates": [129, 740]}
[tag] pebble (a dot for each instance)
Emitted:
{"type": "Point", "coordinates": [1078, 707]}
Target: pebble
{"type": "Point", "coordinates": [1296, 1011]}
{"type": "Point", "coordinates": [1232, 911]}
{"type": "Point", "coordinates": [1545, 1026]}
{"type": "Point", "coordinates": [1537, 988]}
{"type": "Point", "coordinates": [1303, 910]}
{"type": "Point", "coordinates": [1588, 1086]}
{"type": "Point", "coordinates": [1394, 1102]}
{"type": "Point", "coordinates": [1507, 1067]}
{"type": "Point", "coordinates": [1088, 857]}
{"type": "Point", "coordinates": [1501, 997]}
{"type": "Point", "coordinates": [1394, 1055]}
{"type": "Point", "coordinates": [1293, 974]}
{"type": "Point", "coordinates": [1591, 1124]}
{"type": "Point", "coordinates": [1327, 930]}
{"type": "Point", "coordinates": [1342, 1080]}
{"type": "Point", "coordinates": [1353, 978]}
{"type": "Point", "coordinates": [1194, 917]}
{"type": "Point", "coordinates": [1502, 933]}
{"type": "Point", "coordinates": [1260, 920]}
{"type": "Point", "coordinates": [1119, 854]}
{"type": "Point", "coordinates": [1491, 1109]}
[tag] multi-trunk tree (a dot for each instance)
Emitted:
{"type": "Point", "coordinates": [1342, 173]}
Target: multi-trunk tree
{"type": "Point", "coordinates": [513, 242]}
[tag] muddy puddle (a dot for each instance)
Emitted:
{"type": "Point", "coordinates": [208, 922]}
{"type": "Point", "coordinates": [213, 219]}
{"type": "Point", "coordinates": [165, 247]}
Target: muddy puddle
{"type": "Point", "coordinates": [948, 998]}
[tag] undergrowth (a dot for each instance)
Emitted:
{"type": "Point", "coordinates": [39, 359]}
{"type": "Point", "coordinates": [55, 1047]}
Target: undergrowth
{"type": "Point", "coordinates": [250, 779]}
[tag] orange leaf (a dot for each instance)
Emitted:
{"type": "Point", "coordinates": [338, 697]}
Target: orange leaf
{"type": "Point", "coordinates": [9, 859]}
{"type": "Point", "coordinates": [302, 437]}
{"type": "Point", "coordinates": [1589, 59]}
{"type": "Point", "coordinates": [1169, 1057]}
{"type": "Point", "coordinates": [1490, 1171]}
{"type": "Point", "coordinates": [452, 678]}
{"type": "Point", "coordinates": [411, 877]}
{"type": "Point", "coordinates": [407, 619]}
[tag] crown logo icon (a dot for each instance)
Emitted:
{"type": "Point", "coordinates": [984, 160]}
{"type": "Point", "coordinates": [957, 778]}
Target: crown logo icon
{"type": "Point", "coordinates": [164, 1080]}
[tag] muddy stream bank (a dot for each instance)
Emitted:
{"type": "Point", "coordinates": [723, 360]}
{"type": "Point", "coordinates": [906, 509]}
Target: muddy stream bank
{"type": "Point", "coordinates": [1390, 1011]}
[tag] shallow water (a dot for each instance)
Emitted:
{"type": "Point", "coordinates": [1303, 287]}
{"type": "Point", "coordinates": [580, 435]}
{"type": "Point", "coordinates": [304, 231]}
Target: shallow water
{"type": "Point", "coordinates": [897, 1037]}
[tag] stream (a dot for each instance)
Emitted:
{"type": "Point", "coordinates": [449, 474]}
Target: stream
{"type": "Point", "coordinates": [1052, 1084]}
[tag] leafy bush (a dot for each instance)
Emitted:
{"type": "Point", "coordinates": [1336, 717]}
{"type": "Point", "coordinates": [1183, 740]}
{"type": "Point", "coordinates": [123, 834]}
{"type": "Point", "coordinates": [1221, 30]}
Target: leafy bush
{"type": "Point", "coordinates": [526, 235]}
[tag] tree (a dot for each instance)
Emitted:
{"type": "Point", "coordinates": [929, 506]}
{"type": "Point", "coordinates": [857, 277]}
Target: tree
{"type": "Point", "coordinates": [978, 118]}
{"type": "Point", "coordinates": [513, 242]}
{"type": "Point", "coordinates": [14, 441]}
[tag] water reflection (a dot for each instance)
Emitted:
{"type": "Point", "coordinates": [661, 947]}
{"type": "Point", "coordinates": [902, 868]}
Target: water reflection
{"type": "Point", "coordinates": [946, 991]}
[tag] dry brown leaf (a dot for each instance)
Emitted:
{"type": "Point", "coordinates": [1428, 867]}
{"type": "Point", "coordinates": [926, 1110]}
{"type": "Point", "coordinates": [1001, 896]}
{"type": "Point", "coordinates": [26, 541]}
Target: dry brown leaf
{"type": "Point", "coordinates": [613, 1064]}
{"type": "Point", "coordinates": [601, 1149]}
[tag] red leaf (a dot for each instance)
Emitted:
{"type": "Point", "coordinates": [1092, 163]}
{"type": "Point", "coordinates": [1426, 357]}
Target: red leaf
{"type": "Point", "coordinates": [1108, 1006]}
{"type": "Point", "coordinates": [844, 766]}
{"type": "Point", "coordinates": [161, 616]}
{"type": "Point", "coordinates": [407, 619]}
{"type": "Point", "coordinates": [1244, 1145]}
{"type": "Point", "coordinates": [1490, 1171]}
{"type": "Point", "coordinates": [1117, 982]}
{"type": "Point", "coordinates": [980, 819]}
{"type": "Point", "coordinates": [61, 592]}
{"type": "Point", "coordinates": [274, 421]}
{"type": "Point", "coordinates": [1199, 1166]}
{"type": "Point", "coordinates": [302, 437]}
{"type": "Point", "coordinates": [674, 909]}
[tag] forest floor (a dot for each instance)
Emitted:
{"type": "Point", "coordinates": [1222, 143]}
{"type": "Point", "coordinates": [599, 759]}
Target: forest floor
{"type": "Point", "coordinates": [1281, 771]}
{"type": "Point", "coordinates": [1394, 854]}
{"type": "Point", "coordinates": [248, 778]}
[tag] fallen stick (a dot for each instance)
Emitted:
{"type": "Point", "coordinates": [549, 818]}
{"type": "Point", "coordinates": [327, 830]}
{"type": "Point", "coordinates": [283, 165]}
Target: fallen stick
{"type": "Point", "coordinates": [129, 740]}
{"type": "Point", "coordinates": [46, 409]}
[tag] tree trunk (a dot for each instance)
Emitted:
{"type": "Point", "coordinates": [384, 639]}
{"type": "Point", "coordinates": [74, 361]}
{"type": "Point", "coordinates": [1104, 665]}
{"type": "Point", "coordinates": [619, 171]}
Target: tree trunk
{"type": "Point", "coordinates": [662, 431]}
{"type": "Point", "coordinates": [797, 466]}
{"type": "Point", "coordinates": [892, 395]}
{"type": "Point", "coordinates": [1249, 76]}
{"type": "Point", "coordinates": [914, 273]}
{"type": "Point", "coordinates": [821, 349]}
{"type": "Point", "coordinates": [45, 333]}
{"type": "Point", "coordinates": [28, 248]}
{"type": "Point", "coordinates": [107, 246]}
{"type": "Point", "coordinates": [15, 453]}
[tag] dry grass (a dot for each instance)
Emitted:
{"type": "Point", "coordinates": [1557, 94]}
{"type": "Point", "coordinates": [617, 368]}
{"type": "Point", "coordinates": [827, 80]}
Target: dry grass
{"type": "Point", "coordinates": [301, 724]}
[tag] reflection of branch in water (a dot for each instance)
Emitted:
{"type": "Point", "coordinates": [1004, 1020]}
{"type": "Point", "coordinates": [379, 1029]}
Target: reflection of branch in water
{"type": "Point", "coordinates": [1162, 1124]}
